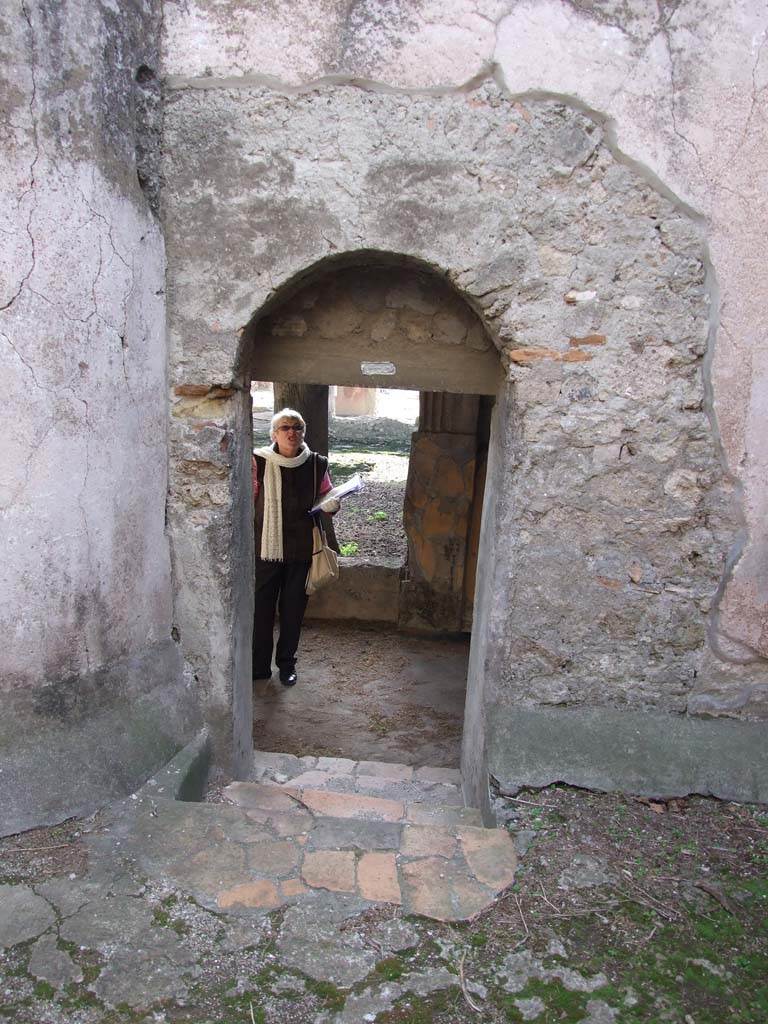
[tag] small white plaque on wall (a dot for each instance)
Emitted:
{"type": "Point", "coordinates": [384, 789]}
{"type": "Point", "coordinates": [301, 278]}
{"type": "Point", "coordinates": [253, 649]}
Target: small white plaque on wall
{"type": "Point", "coordinates": [378, 369]}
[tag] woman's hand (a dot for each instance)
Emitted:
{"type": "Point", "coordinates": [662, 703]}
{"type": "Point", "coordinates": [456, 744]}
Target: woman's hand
{"type": "Point", "coordinates": [331, 506]}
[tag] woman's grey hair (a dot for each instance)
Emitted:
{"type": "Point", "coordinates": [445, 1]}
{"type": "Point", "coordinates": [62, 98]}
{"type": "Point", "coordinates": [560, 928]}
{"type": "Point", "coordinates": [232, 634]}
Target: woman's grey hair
{"type": "Point", "coordinates": [286, 414]}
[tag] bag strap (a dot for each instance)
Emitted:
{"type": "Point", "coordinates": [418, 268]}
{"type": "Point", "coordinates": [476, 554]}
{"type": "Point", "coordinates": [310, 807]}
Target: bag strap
{"type": "Point", "coordinates": [317, 519]}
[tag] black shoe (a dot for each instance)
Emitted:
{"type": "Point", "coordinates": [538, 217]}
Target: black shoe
{"type": "Point", "coordinates": [288, 676]}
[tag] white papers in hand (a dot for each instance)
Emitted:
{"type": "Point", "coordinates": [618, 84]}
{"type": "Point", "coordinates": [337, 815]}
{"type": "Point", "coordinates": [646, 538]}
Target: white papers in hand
{"type": "Point", "coordinates": [350, 486]}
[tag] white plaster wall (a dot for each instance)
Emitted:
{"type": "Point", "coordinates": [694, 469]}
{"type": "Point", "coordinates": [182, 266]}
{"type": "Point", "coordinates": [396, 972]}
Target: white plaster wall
{"type": "Point", "coordinates": [85, 574]}
{"type": "Point", "coordinates": [684, 93]}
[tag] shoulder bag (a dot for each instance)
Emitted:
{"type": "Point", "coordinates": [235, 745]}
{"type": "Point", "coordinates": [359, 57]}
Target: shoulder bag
{"type": "Point", "coordinates": [324, 567]}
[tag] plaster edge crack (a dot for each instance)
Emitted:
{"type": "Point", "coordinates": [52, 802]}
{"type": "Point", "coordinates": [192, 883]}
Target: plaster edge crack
{"type": "Point", "coordinates": [271, 83]}
{"type": "Point", "coordinates": [38, 385]}
{"type": "Point", "coordinates": [754, 656]}
{"type": "Point", "coordinates": [120, 332]}
{"type": "Point", "coordinates": [33, 164]}
{"type": "Point", "coordinates": [36, 446]}
{"type": "Point", "coordinates": [83, 511]}
{"type": "Point", "coordinates": [665, 22]}
{"type": "Point", "coordinates": [146, 443]}
{"type": "Point", "coordinates": [755, 90]}
{"type": "Point", "coordinates": [105, 221]}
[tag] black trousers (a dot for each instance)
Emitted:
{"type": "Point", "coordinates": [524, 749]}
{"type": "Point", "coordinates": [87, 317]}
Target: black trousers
{"type": "Point", "coordinates": [279, 585]}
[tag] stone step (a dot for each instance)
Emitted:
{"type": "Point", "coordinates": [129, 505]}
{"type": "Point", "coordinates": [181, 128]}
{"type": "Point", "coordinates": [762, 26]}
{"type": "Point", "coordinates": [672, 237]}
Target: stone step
{"type": "Point", "coordinates": [292, 798]}
{"type": "Point", "coordinates": [434, 860]}
{"type": "Point", "coordinates": [428, 785]}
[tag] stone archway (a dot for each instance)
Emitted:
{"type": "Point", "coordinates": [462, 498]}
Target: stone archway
{"type": "Point", "coordinates": [375, 319]}
{"type": "Point", "coordinates": [388, 321]}
{"type": "Point", "coordinates": [604, 540]}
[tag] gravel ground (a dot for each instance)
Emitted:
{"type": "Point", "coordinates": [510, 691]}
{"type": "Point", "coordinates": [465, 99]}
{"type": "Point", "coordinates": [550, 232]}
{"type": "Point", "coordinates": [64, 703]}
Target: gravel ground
{"type": "Point", "coordinates": [372, 518]}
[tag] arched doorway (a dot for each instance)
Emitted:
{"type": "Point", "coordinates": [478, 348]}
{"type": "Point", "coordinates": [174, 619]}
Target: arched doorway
{"type": "Point", "coordinates": [376, 319]}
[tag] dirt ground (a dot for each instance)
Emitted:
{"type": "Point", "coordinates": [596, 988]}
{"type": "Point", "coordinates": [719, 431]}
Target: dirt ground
{"type": "Point", "coordinates": [368, 694]}
{"type": "Point", "coordinates": [372, 519]}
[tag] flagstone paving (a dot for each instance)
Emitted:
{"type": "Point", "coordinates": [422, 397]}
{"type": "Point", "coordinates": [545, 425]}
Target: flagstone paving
{"type": "Point", "coordinates": [273, 842]}
{"type": "Point", "coordinates": [325, 839]}
{"type": "Point", "coordinates": [437, 860]}
{"type": "Point", "coordinates": [326, 825]}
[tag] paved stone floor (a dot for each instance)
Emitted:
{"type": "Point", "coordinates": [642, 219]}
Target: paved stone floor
{"type": "Point", "coordinates": [382, 832]}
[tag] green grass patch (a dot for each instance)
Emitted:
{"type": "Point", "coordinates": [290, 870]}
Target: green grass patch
{"type": "Point", "coordinates": [331, 996]}
{"type": "Point", "coordinates": [44, 990]}
{"type": "Point", "coordinates": [391, 968]}
{"type": "Point", "coordinates": [419, 1010]}
{"type": "Point", "coordinates": [561, 1003]}
{"type": "Point", "coordinates": [77, 998]}
{"type": "Point", "coordinates": [245, 1004]}
{"type": "Point", "coordinates": [342, 471]}
{"type": "Point", "coordinates": [349, 548]}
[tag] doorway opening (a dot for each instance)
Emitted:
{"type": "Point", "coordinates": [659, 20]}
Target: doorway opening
{"type": "Point", "coordinates": [384, 654]}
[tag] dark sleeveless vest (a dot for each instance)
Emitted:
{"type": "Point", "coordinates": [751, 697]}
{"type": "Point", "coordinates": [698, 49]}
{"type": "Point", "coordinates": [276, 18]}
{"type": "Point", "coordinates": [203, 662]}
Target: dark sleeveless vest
{"type": "Point", "coordinates": [298, 487]}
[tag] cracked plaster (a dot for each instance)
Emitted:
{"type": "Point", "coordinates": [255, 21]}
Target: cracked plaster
{"type": "Point", "coordinates": [680, 90]}
{"type": "Point", "coordinates": [405, 45]}
{"type": "Point", "coordinates": [85, 584]}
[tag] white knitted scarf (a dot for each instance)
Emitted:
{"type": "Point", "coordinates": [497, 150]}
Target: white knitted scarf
{"type": "Point", "coordinates": [272, 526]}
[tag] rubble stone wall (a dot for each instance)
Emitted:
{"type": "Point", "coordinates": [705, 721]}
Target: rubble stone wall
{"type": "Point", "coordinates": [613, 512]}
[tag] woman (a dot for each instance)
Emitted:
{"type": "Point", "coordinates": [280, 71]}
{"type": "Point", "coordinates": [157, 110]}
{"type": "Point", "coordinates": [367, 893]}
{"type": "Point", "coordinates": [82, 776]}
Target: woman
{"type": "Point", "coordinates": [287, 480]}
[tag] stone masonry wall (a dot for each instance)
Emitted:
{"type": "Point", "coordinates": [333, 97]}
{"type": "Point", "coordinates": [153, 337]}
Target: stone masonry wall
{"type": "Point", "coordinates": [402, 315]}
{"type": "Point", "coordinates": [681, 90]}
{"type": "Point", "coordinates": [594, 286]}
{"type": "Point", "coordinates": [90, 679]}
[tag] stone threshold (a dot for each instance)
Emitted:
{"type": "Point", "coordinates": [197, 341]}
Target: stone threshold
{"type": "Point", "coordinates": [371, 830]}
{"type": "Point", "coordinates": [282, 767]}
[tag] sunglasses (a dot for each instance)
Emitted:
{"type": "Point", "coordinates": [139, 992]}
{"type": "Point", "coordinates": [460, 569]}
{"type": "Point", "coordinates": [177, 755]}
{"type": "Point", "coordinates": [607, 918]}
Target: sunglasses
{"type": "Point", "coordinates": [295, 429]}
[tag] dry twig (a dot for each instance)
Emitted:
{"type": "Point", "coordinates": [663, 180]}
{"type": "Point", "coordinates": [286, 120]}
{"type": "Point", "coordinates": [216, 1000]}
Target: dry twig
{"type": "Point", "coordinates": [546, 898]}
{"type": "Point", "coordinates": [522, 918]}
{"type": "Point", "coordinates": [528, 803]}
{"type": "Point", "coordinates": [463, 983]}
{"type": "Point", "coordinates": [717, 894]}
{"type": "Point", "coordinates": [649, 936]}
{"type": "Point", "coordinates": [644, 899]}
{"type": "Point", "coordinates": [43, 849]}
